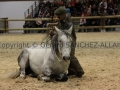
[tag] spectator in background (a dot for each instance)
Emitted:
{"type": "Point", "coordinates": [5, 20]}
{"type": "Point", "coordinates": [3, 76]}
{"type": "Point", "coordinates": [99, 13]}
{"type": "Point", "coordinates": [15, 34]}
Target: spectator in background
{"type": "Point", "coordinates": [111, 21]}
{"type": "Point", "coordinates": [70, 7]}
{"type": "Point", "coordinates": [88, 20]}
{"type": "Point", "coordinates": [78, 7]}
{"type": "Point", "coordinates": [117, 2]}
{"type": "Point", "coordinates": [114, 21]}
{"type": "Point", "coordinates": [103, 5]}
{"type": "Point", "coordinates": [28, 24]}
{"type": "Point", "coordinates": [115, 9]}
{"type": "Point", "coordinates": [73, 2]}
{"type": "Point", "coordinates": [84, 4]}
{"type": "Point", "coordinates": [110, 7]}
{"type": "Point", "coordinates": [38, 23]}
{"type": "Point", "coordinates": [54, 5]}
{"type": "Point", "coordinates": [85, 12]}
{"type": "Point", "coordinates": [89, 9]}
{"type": "Point", "coordinates": [41, 12]}
{"type": "Point", "coordinates": [46, 10]}
{"type": "Point", "coordinates": [94, 22]}
{"type": "Point", "coordinates": [82, 24]}
{"type": "Point", "coordinates": [91, 2]}
{"type": "Point", "coordinates": [73, 8]}
{"type": "Point", "coordinates": [99, 12]}
{"type": "Point", "coordinates": [94, 9]}
{"type": "Point", "coordinates": [61, 3]}
{"type": "Point", "coordinates": [68, 12]}
{"type": "Point", "coordinates": [67, 2]}
{"type": "Point", "coordinates": [47, 14]}
{"type": "Point", "coordinates": [48, 4]}
{"type": "Point", "coordinates": [74, 11]}
{"type": "Point", "coordinates": [41, 4]}
{"type": "Point", "coordinates": [103, 21]}
{"type": "Point", "coordinates": [97, 2]}
{"type": "Point", "coordinates": [118, 19]}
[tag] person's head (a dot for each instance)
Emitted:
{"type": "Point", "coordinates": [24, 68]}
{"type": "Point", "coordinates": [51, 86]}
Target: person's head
{"type": "Point", "coordinates": [60, 12]}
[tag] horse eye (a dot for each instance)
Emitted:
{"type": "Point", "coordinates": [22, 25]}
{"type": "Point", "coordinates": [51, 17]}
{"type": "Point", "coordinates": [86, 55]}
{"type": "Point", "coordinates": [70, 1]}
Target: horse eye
{"type": "Point", "coordinates": [60, 42]}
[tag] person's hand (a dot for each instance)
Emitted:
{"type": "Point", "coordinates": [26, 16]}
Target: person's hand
{"type": "Point", "coordinates": [51, 32]}
{"type": "Point", "coordinates": [48, 24]}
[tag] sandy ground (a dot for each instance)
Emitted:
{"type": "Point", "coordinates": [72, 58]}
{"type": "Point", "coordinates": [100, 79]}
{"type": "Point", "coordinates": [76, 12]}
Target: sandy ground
{"type": "Point", "coordinates": [100, 62]}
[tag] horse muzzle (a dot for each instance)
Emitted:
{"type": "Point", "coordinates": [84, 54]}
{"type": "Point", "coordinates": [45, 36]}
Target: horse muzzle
{"type": "Point", "coordinates": [65, 58]}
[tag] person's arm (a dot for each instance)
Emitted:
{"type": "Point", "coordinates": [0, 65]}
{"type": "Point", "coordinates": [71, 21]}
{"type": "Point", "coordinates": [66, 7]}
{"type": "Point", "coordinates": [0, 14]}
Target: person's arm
{"type": "Point", "coordinates": [38, 22]}
{"type": "Point", "coordinates": [52, 32]}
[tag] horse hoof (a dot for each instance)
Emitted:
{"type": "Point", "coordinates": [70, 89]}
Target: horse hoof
{"type": "Point", "coordinates": [22, 77]}
{"type": "Point", "coordinates": [39, 77]}
{"type": "Point", "coordinates": [46, 79]}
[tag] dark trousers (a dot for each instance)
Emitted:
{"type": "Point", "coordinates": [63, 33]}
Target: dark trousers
{"type": "Point", "coordinates": [75, 66]}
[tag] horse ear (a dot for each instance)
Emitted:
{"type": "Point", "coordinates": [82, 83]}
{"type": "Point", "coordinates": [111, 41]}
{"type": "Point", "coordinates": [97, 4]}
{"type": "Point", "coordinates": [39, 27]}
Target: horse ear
{"type": "Point", "coordinates": [70, 29]}
{"type": "Point", "coordinates": [57, 30]}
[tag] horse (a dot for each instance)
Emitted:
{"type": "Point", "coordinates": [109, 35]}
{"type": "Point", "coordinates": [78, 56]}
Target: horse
{"type": "Point", "coordinates": [48, 63]}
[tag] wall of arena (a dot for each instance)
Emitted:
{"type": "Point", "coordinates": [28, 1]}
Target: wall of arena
{"type": "Point", "coordinates": [13, 10]}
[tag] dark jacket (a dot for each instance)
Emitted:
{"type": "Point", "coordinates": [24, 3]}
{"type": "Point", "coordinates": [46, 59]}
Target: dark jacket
{"type": "Point", "coordinates": [66, 24]}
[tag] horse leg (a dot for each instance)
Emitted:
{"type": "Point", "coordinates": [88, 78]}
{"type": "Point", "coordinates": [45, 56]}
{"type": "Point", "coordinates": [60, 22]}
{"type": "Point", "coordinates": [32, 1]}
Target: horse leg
{"type": "Point", "coordinates": [23, 63]}
{"type": "Point", "coordinates": [47, 74]}
{"type": "Point", "coordinates": [62, 77]}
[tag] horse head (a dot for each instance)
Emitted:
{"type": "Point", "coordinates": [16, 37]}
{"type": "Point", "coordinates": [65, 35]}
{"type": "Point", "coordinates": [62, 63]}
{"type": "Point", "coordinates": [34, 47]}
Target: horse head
{"type": "Point", "coordinates": [64, 41]}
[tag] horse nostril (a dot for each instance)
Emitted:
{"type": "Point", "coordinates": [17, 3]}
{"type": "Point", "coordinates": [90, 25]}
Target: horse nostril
{"type": "Point", "coordinates": [66, 57]}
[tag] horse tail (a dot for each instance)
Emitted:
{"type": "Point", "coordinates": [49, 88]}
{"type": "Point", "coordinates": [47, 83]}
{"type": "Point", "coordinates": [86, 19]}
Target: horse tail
{"type": "Point", "coordinates": [11, 75]}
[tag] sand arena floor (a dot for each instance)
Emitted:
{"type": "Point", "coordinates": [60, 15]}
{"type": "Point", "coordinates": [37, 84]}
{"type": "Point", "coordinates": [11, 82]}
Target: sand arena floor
{"type": "Point", "coordinates": [101, 63]}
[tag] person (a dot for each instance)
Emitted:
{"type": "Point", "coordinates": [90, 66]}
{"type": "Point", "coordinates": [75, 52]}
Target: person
{"type": "Point", "coordinates": [64, 23]}
{"type": "Point", "coordinates": [82, 23]}
{"type": "Point", "coordinates": [68, 12]}
{"type": "Point", "coordinates": [38, 23]}
{"type": "Point", "coordinates": [78, 7]}
{"type": "Point", "coordinates": [28, 24]}
{"type": "Point", "coordinates": [111, 21]}
{"type": "Point", "coordinates": [94, 22]}
{"type": "Point", "coordinates": [103, 20]}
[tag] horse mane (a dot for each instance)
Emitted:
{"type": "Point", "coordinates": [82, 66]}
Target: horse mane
{"type": "Point", "coordinates": [54, 43]}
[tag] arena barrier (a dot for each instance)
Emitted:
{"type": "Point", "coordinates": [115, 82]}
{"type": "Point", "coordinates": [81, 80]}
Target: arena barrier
{"type": "Point", "coordinates": [73, 18]}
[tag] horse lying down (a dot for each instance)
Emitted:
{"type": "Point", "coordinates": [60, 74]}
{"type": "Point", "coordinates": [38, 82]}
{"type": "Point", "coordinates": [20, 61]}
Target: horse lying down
{"type": "Point", "coordinates": [48, 63]}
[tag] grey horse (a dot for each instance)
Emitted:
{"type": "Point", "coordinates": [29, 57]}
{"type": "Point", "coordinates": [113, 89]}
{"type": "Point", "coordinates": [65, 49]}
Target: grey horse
{"type": "Point", "coordinates": [48, 63]}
